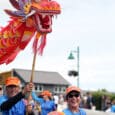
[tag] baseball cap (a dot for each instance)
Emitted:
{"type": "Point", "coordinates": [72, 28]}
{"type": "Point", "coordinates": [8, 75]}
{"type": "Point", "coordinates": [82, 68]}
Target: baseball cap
{"type": "Point", "coordinates": [12, 81]}
{"type": "Point", "coordinates": [56, 113]}
{"type": "Point", "coordinates": [72, 88]}
{"type": "Point", "coordinates": [47, 93]}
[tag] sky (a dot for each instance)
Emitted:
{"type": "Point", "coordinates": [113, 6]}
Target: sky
{"type": "Point", "coordinates": [89, 24]}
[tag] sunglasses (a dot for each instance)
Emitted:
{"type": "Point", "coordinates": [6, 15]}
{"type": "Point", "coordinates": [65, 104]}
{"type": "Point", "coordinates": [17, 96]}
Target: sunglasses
{"type": "Point", "coordinates": [74, 95]}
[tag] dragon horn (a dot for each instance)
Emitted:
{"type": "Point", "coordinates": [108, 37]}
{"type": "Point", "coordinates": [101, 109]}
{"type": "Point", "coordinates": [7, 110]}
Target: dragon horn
{"type": "Point", "coordinates": [15, 4]}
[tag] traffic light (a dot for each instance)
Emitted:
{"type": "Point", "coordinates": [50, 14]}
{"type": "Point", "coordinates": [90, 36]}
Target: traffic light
{"type": "Point", "coordinates": [73, 73]}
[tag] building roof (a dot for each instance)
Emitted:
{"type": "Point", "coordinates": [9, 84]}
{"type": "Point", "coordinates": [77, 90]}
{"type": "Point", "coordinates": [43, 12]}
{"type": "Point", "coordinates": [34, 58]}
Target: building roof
{"type": "Point", "coordinates": [42, 77]}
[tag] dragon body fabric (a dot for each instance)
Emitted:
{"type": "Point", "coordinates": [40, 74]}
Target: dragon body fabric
{"type": "Point", "coordinates": [32, 19]}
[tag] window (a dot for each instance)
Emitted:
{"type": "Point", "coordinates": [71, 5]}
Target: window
{"type": "Point", "coordinates": [59, 89]}
{"type": "Point", "coordinates": [39, 88]}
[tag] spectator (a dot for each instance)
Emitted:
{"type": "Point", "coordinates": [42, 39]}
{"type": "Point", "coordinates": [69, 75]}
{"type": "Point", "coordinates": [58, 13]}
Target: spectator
{"type": "Point", "coordinates": [12, 102]}
{"type": "Point", "coordinates": [103, 102]}
{"type": "Point", "coordinates": [61, 103]}
{"type": "Point", "coordinates": [113, 106]}
{"type": "Point", "coordinates": [46, 102]}
{"type": "Point", "coordinates": [107, 104]}
{"type": "Point", "coordinates": [84, 101]}
{"type": "Point", "coordinates": [56, 99]}
{"type": "Point", "coordinates": [37, 109]}
{"type": "Point", "coordinates": [108, 107]}
{"type": "Point", "coordinates": [61, 99]}
{"type": "Point", "coordinates": [90, 101]}
{"type": "Point", "coordinates": [73, 101]}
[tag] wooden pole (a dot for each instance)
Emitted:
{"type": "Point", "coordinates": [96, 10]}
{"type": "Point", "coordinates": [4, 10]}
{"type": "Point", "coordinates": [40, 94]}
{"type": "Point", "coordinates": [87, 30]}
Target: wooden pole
{"type": "Point", "coordinates": [33, 68]}
{"type": "Point", "coordinates": [32, 75]}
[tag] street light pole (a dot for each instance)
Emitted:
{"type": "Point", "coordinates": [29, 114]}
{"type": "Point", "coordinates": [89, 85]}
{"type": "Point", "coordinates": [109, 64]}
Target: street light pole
{"type": "Point", "coordinates": [76, 73]}
{"type": "Point", "coordinates": [78, 65]}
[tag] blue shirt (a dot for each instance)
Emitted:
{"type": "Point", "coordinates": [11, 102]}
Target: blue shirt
{"type": "Point", "coordinates": [46, 106]}
{"type": "Point", "coordinates": [68, 112]}
{"type": "Point", "coordinates": [113, 108]}
{"type": "Point", "coordinates": [17, 109]}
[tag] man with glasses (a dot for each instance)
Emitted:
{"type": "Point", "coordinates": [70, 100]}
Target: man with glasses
{"type": "Point", "coordinates": [73, 101]}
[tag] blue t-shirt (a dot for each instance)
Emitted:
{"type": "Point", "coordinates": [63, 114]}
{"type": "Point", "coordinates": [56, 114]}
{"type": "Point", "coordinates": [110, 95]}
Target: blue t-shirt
{"type": "Point", "coordinates": [17, 109]}
{"type": "Point", "coordinates": [68, 112]}
{"type": "Point", "coordinates": [46, 106]}
{"type": "Point", "coordinates": [113, 108]}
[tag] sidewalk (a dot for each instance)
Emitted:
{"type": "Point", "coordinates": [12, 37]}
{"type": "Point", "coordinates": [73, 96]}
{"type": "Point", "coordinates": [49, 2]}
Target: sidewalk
{"type": "Point", "coordinates": [93, 112]}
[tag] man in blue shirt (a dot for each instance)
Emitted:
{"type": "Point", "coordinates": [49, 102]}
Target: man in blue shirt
{"type": "Point", "coordinates": [12, 103]}
{"type": "Point", "coordinates": [73, 101]}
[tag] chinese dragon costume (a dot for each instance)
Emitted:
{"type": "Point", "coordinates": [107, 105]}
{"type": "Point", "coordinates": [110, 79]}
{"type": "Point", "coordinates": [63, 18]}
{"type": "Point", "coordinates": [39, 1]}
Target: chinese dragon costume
{"type": "Point", "coordinates": [32, 18]}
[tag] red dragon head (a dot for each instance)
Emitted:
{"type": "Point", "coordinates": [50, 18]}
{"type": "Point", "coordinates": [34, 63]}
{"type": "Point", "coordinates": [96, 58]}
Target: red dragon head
{"type": "Point", "coordinates": [43, 10]}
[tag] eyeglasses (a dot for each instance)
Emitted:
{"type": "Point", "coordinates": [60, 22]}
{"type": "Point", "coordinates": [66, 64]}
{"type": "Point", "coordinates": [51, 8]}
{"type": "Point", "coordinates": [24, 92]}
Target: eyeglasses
{"type": "Point", "coordinates": [73, 95]}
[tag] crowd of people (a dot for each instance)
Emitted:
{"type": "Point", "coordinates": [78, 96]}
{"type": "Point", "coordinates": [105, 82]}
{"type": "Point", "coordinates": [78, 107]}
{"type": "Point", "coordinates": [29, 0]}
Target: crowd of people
{"type": "Point", "coordinates": [107, 104]}
{"type": "Point", "coordinates": [24, 101]}
{"type": "Point", "coordinates": [88, 101]}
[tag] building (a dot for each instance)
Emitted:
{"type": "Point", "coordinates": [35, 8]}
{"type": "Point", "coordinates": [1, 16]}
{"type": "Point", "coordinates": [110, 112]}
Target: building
{"type": "Point", "coordinates": [43, 80]}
